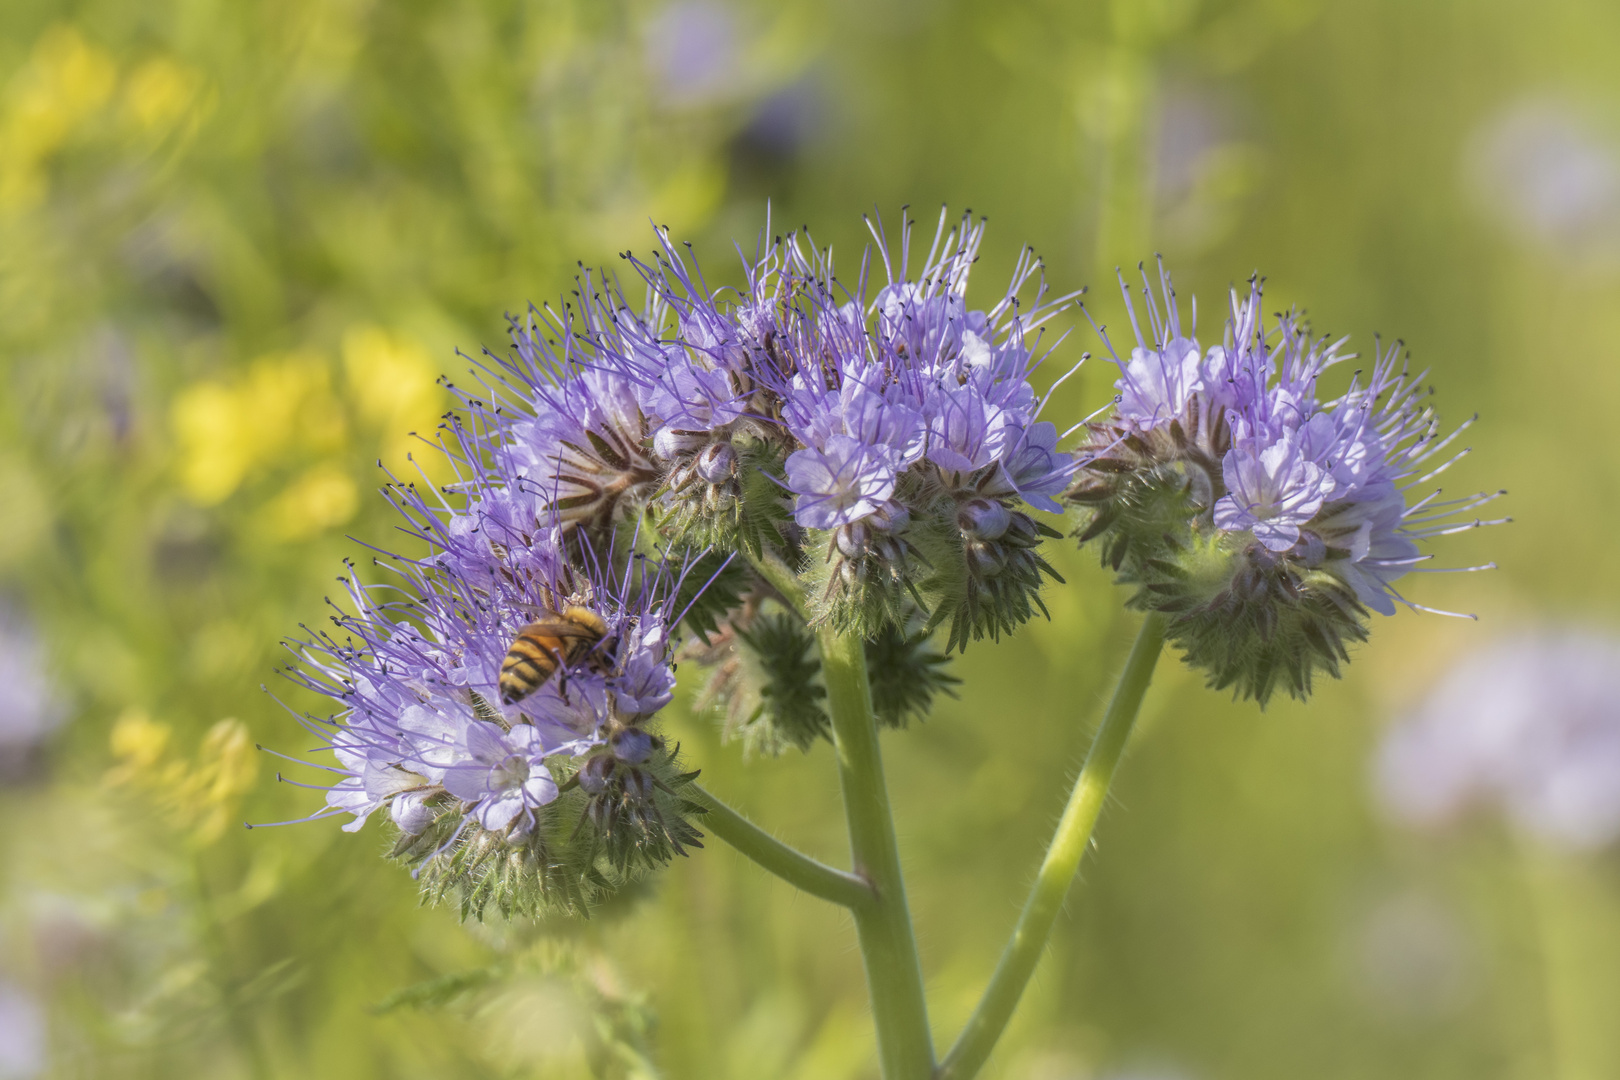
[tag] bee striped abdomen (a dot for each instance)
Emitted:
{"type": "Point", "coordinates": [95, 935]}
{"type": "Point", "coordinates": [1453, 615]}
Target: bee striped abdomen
{"type": "Point", "coordinates": [528, 664]}
{"type": "Point", "coordinates": [544, 646]}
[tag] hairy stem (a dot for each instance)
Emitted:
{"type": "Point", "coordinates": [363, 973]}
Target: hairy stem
{"type": "Point", "coordinates": [893, 972]}
{"type": "Point", "coordinates": [787, 863]}
{"type": "Point", "coordinates": [1062, 860]}
{"type": "Point", "coordinates": [777, 574]}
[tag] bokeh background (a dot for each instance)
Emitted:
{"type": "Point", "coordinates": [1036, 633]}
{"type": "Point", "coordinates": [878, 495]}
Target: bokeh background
{"type": "Point", "coordinates": [240, 240]}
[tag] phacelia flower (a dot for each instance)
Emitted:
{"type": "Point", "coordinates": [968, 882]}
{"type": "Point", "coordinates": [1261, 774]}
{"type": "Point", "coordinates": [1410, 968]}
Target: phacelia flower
{"type": "Point", "coordinates": [572, 448]}
{"type": "Point", "coordinates": [1273, 488]}
{"type": "Point", "coordinates": [910, 406]}
{"type": "Point", "coordinates": [483, 787]}
{"type": "Point", "coordinates": [842, 483]}
{"type": "Point", "coordinates": [1263, 521]}
{"type": "Point", "coordinates": [501, 774]}
{"type": "Point", "coordinates": [842, 427]}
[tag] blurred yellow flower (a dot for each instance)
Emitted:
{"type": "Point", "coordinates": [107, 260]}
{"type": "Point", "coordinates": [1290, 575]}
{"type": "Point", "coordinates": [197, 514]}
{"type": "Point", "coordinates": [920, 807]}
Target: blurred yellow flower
{"type": "Point", "coordinates": [321, 498]}
{"type": "Point", "coordinates": [215, 452]}
{"type": "Point", "coordinates": [161, 94]}
{"type": "Point", "coordinates": [395, 387]}
{"type": "Point", "coordinates": [225, 431]}
{"type": "Point", "coordinates": [64, 81]}
{"type": "Point", "coordinates": [196, 795]}
{"type": "Point", "coordinates": [139, 743]}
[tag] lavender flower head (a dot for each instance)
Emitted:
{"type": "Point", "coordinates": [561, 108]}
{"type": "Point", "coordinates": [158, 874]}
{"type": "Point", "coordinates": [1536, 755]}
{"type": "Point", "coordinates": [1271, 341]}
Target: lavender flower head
{"type": "Point", "coordinates": [1528, 725]}
{"type": "Point", "coordinates": [918, 443]}
{"type": "Point", "coordinates": [888, 435]}
{"type": "Point", "coordinates": [483, 792]}
{"type": "Point", "coordinates": [1265, 521]}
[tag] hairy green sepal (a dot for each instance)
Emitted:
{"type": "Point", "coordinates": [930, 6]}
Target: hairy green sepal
{"type": "Point", "coordinates": [1253, 620]}
{"type": "Point", "coordinates": [572, 860]}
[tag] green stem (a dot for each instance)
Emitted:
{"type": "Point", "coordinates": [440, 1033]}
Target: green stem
{"type": "Point", "coordinates": [787, 863]}
{"type": "Point", "coordinates": [777, 574]}
{"type": "Point", "coordinates": [1057, 871]}
{"type": "Point", "coordinates": [893, 972]}
{"type": "Point", "coordinates": [243, 1029]}
{"type": "Point", "coordinates": [1571, 914]}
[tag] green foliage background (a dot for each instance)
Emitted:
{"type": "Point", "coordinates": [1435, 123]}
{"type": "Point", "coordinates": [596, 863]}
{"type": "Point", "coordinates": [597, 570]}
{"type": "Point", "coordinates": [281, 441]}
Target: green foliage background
{"type": "Point", "coordinates": [239, 240]}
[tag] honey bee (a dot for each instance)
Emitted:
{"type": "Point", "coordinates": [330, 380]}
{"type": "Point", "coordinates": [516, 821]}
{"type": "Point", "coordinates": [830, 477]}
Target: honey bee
{"type": "Point", "coordinates": [554, 640]}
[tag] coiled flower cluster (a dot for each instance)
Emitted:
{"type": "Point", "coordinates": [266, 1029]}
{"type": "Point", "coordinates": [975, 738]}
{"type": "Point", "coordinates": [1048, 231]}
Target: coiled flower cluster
{"type": "Point", "coordinates": [1264, 522]}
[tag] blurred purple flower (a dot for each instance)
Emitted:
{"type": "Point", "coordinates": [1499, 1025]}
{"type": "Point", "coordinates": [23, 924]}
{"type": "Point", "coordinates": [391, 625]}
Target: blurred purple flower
{"type": "Point", "coordinates": [1539, 166]}
{"type": "Point", "coordinates": [693, 52]}
{"type": "Point", "coordinates": [786, 120]}
{"type": "Point", "coordinates": [1529, 724]}
{"type": "Point", "coordinates": [30, 708]}
{"type": "Point", "coordinates": [23, 1034]}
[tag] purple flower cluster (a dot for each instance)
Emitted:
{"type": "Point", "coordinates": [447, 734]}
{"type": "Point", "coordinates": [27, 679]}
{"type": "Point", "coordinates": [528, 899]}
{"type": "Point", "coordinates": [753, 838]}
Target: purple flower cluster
{"type": "Point", "coordinates": [853, 392]}
{"type": "Point", "coordinates": [425, 733]}
{"type": "Point", "coordinates": [874, 417]}
{"type": "Point", "coordinates": [932, 387]}
{"type": "Point", "coordinates": [919, 441]}
{"type": "Point", "coordinates": [1302, 502]}
{"type": "Point", "coordinates": [1299, 475]}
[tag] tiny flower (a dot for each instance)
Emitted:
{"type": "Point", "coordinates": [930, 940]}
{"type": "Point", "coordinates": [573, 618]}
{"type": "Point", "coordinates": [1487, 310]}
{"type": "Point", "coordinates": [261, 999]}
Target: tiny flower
{"type": "Point", "coordinates": [966, 431]}
{"type": "Point", "coordinates": [1272, 491]}
{"type": "Point", "coordinates": [1036, 470]}
{"type": "Point", "coordinates": [688, 396]}
{"type": "Point", "coordinates": [372, 782]}
{"type": "Point", "coordinates": [503, 774]}
{"type": "Point", "coordinates": [645, 682]}
{"type": "Point", "coordinates": [1156, 384]}
{"type": "Point", "coordinates": [840, 484]}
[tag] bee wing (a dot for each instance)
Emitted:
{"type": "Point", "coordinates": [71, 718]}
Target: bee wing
{"type": "Point", "coordinates": [558, 628]}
